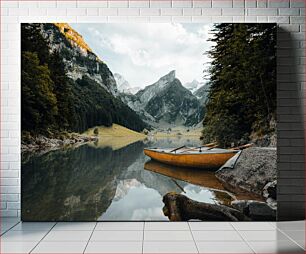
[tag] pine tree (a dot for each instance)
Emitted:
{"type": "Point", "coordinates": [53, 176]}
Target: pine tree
{"type": "Point", "coordinates": [39, 104]}
{"type": "Point", "coordinates": [242, 97]}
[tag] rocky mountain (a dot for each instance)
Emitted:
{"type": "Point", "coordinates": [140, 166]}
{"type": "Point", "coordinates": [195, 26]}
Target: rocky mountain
{"type": "Point", "coordinates": [202, 93]}
{"type": "Point", "coordinates": [166, 103]}
{"type": "Point", "coordinates": [150, 91]}
{"type": "Point", "coordinates": [78, 58]}
{"type": "Point", "coordinates": [73, 88]}
{"type": "Point", "coordinates": [193, 85]}
{"type": "Point", "coordinates": [124, 86]}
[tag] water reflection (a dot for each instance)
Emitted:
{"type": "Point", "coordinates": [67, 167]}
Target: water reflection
{"type": "Point", "coordinates": [75, 184]}
{"type": "Point", "coordinates": [94, 182]}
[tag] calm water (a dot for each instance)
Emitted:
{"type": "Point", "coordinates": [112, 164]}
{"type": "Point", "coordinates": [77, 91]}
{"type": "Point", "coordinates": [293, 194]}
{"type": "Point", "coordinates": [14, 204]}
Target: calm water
{"type": "Point", "coordinates": [91, 183]}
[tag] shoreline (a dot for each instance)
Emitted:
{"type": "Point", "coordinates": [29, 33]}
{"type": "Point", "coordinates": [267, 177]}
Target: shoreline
{"type": "Point", "coordinates": [43, 144]}
{"type": "Point", "coordinates": [106, 136]}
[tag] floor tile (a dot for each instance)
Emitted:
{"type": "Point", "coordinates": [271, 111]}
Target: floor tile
{"type": "Point", "coordinates": [33, 226]}
{"type": "Point", "coordinates": [106, 236]}
{"type": "Point", "coordinates": [273, 235]}
{"type": "Point", "coordinates": [69, 226]}
{"type": "Point", "coordinates": [169, 247]}
{"type": "Point", "coordinates": [253, 225]}
{"type": "Point", "coordinates": [166, 226]}
{"type": "Point", "coordinates": [119, 226]}
{"type": "Point", "coordinates": [167, 236]}
{"type": "Point", "coordinates": [211, 226]}
{"type": "Point", "coordinates": [216, 236]}
{"type": "Point", "coordinates": [69, 236]}
{"type": "Point", "coordinates": [23, 236]}
{"type": "Point", "coordinates": [114, 247]}
{"type": "Point", "coordinates": [276, 247]}
{"type": "Point", "coordinates": [223, 247]}
{"type": "Point", "coordinates": [3, 230]}
{"type": "Point", "coordinates": [297, 235]}
{"type": "Point", "coordinates": [5, 226]}
{"type": "Point", "coordinates": [60, 247]}
{"type": "Point", "coordinates": [17, 247]}
{"type": "Point", "coordinates": [291, 225]}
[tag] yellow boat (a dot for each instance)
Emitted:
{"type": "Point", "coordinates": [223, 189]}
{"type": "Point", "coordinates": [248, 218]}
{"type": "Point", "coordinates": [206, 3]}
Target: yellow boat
{"type": "Point", "coordinates": [194, 157]}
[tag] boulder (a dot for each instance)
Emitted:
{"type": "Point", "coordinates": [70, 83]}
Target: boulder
{"type": "Point", "coordinates": [255, 167]}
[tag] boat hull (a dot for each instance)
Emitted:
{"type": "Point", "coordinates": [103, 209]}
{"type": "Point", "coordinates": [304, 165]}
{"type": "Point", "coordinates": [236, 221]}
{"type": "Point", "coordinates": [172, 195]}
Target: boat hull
{"type": "Point", "coordinates": [205, 160]}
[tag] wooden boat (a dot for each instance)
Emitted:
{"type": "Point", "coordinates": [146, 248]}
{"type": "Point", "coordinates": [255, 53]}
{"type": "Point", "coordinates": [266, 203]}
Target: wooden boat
{"type": "Point", "coordinates": [194, 157]}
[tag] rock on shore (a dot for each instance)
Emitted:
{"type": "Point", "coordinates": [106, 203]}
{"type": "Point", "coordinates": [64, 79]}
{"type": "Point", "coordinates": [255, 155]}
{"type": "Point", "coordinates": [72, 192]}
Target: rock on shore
{"type": "Point", "coordinates": [255, 210]}
{"type": "Point", "coordinates": [255, 167]}
{"type": "Point", "coordinates": [42, 143]}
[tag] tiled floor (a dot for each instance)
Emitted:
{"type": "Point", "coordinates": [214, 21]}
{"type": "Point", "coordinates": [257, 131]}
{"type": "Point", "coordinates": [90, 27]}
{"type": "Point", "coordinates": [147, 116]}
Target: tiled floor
{"type": "Point", "coordinates": [152, 237]}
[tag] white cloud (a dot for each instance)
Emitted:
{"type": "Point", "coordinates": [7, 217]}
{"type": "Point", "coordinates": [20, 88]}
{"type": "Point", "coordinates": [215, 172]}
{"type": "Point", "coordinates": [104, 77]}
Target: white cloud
{"type": "Point", "coordinates": [143, 52]}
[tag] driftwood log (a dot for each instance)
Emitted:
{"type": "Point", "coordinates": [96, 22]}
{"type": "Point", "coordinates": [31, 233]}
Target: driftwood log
{"type": "Point", "coordinates": [181, 208]}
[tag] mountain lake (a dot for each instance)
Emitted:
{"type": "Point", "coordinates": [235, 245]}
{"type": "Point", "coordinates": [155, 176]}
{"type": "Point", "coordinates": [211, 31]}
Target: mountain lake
{"type": "Point", "coordinates": [93, 182]}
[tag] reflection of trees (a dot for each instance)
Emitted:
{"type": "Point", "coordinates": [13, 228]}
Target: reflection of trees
{"type": "Point", "coordinates": [76, 184]}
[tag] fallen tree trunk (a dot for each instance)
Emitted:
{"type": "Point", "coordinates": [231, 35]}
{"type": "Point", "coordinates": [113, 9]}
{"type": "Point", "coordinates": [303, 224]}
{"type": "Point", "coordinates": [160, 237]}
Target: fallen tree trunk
{"type": "Point", "coordinates": [181, 208]}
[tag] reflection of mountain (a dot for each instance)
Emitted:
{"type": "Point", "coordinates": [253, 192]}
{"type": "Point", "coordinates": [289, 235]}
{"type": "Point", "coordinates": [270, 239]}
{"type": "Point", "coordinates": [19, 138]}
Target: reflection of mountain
{"type": "Point", "coordinates": [166, 103]}
{"type": "Point", "coordinates": [151, 180]}
{"type": "Point", "coordinates": [76, 184]}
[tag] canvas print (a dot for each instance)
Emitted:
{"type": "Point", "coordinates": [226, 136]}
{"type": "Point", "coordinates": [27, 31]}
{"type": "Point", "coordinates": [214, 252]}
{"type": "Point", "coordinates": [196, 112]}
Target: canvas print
{"type": "Point", "coordinates": [148, 122]}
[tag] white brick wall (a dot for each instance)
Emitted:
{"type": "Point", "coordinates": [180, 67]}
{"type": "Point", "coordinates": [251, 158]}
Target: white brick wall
{"type": "Point", "coordinates": [291, 69]}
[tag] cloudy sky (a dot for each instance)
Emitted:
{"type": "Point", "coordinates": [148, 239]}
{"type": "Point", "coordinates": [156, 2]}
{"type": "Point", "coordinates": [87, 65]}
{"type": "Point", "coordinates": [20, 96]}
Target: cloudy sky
{"type": "Point", "coordinates": [144, 52]}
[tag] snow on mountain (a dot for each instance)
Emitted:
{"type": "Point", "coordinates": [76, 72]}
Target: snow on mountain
{"type": "Point", "coordinates": [124, 86]}
{"type": "Point", "coordinates": [133, 90]}
{"type": "Point", "coordinates": [202, 93]}
{"type": "Point", "coordinates": [193, 85]}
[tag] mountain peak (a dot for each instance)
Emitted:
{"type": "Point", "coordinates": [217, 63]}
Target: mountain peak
{"type": "Point", "coordinates": [167, 78]}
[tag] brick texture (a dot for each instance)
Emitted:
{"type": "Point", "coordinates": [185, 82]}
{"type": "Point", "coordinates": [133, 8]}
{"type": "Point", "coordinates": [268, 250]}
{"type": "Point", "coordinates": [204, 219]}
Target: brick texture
{"type": "Point", "coordinates": [289, 14]}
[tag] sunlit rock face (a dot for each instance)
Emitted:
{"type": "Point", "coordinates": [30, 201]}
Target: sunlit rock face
{"type": "Point", "coordinates": [78, 58]}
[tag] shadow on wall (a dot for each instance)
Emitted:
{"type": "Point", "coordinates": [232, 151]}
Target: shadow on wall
{"type": "Point", "coordinates": [290, 129]}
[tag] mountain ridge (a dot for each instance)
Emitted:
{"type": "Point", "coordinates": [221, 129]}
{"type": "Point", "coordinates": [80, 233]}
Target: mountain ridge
{"type": "Point", "coordinates": [166, 103]}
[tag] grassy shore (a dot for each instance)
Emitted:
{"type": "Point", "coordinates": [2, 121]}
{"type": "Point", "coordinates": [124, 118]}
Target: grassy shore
{"type": "Point", "coordinates": [115, 130]}
{"type": "Point", "coordinates": [115, 136]}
